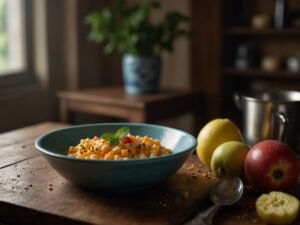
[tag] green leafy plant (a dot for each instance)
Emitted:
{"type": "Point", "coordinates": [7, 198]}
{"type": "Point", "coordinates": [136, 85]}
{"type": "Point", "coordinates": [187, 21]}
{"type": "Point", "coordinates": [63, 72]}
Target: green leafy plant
{"type": "Point", "coordinates": [129, 29]}
{"type": "Point", "coordinates": [114, 138]}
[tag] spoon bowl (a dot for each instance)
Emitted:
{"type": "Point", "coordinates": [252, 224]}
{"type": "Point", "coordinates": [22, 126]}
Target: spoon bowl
{"type": "Point", "coordinates": [227, 191]}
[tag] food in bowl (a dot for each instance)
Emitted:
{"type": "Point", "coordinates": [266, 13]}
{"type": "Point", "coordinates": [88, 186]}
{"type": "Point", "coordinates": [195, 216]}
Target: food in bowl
{"type": "Point", "coordinates": [115, 175]}
{"type": "Point", "coordinates": [118, 146]}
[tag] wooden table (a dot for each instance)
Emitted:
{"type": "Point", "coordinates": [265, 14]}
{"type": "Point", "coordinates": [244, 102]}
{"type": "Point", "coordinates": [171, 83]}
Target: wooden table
{"type": "Point", "coordinates": [33, 193]}
{"type": "Point", "coordinates": [114, 102]}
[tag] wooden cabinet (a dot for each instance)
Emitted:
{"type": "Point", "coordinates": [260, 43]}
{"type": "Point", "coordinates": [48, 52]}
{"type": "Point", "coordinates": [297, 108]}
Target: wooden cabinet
{"type": "Point", "coordinates": [228, 25]}
{"type": "Point", "coordinates": [238, 29]}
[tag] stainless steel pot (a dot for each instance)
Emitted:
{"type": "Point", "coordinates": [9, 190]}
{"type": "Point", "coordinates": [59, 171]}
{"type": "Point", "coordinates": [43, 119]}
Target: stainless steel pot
{"type": "Point", "coordinates": [271, 115]}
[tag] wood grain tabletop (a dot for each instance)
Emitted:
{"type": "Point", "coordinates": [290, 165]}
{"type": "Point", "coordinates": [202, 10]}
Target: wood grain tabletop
{"type": "Point", "coordinates": [31, 192]}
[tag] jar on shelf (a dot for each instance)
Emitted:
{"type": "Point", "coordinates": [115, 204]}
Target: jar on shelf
{"type": "Point", "coordinates": [245, 56]}
{"type": "Point", "coordinates": [270, 63]}
{"type": "Point", "coordinates": [280, 14]}
{"type": "Point", "coordinates": [293, 63]}
{"type": "Point", "coordinates": [261, 21]}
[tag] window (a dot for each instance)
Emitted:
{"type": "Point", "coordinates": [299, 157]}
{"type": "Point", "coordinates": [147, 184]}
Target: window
{"type": "Point", "coordinates": [14, 42]}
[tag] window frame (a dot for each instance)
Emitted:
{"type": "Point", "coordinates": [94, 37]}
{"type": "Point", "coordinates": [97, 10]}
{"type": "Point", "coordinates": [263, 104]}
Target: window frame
{"type": "Point", "coordinates": [26, 76]}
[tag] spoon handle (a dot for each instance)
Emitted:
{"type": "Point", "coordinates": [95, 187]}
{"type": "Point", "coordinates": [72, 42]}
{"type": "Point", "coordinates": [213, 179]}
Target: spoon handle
{"type": "Point", "coordinates": [204, 218]}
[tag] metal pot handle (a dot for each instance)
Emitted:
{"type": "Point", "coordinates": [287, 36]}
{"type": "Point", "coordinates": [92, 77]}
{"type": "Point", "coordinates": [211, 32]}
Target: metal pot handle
{"type": "Point", "coordinates": [237, 100]}
{"type": "Point", "coordinates": [283, 125]}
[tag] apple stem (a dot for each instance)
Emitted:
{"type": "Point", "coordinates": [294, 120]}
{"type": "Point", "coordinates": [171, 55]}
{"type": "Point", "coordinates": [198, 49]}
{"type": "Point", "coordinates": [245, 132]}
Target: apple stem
{"type": "Point", "coordinates": [277, 174]}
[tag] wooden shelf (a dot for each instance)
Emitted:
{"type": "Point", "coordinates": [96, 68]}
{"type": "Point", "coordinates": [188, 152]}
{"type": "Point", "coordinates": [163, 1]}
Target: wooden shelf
{"type": "Point", "coordinates": [256, 72]}
{"type": "Point", "coordinates": [268, 31]}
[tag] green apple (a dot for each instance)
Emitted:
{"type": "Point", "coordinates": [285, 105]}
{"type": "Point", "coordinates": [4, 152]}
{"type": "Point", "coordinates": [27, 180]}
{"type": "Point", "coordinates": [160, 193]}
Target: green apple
{"type": "Point", "coordinates": [229, 159]}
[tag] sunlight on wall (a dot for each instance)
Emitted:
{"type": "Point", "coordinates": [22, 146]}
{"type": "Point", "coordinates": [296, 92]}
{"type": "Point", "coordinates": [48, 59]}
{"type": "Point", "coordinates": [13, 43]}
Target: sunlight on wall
{"type": "Point", "coordinates": [176, 67]}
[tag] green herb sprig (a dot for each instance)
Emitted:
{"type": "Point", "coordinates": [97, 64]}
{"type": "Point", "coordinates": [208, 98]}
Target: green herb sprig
{"type": "Point", "coordinates": [129, 29]}
{"type": "Point", "coordinates": [114, 138]}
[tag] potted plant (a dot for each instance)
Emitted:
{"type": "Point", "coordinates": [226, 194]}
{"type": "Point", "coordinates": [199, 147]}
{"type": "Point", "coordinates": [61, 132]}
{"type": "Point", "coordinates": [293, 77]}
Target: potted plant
{"type": "Point", "coordinates": [130, 31]}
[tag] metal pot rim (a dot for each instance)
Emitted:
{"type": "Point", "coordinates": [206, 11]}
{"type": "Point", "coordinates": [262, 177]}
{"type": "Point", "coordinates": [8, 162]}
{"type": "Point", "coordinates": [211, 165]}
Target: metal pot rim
{"type": "Point", "coordinates": [273, 97]}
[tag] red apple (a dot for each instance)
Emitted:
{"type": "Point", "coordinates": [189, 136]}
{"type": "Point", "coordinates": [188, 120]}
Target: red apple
{"type": "Point", "coordinates": [272, 165]}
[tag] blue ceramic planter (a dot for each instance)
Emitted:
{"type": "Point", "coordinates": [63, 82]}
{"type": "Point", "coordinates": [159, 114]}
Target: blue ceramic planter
{"type": "Point", "coordinates": [141, 75]}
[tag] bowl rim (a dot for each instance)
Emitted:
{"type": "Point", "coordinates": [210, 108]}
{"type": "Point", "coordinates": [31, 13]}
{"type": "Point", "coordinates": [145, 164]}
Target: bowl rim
{"type": "Point", "coordinates": [143, 160]}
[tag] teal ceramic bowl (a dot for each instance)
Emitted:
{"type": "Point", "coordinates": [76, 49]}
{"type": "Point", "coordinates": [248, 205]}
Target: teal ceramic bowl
{"type": "Point", "coordinates": [115, 175]}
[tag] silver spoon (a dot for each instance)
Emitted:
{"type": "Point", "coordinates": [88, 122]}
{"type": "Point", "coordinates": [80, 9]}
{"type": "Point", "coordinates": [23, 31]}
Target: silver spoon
{"type": "Point", "coordinates": [226, 191]}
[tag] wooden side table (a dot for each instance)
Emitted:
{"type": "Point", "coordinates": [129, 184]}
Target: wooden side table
{"type": "Point", "coordinates": [114, 102]}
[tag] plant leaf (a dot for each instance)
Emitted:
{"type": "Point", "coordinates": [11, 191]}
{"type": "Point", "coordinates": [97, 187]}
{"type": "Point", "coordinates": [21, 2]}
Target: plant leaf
{"type": "Point", "coordinates": [114, 138]}
{"type": "Point", "coordinates": [108, 136]}
{"type": "Point", "coordinates": [114, 141]}
{"type": "Point", "coordinates": [128, 29]}
{"type": "Point", "coordinates": [122, 132]}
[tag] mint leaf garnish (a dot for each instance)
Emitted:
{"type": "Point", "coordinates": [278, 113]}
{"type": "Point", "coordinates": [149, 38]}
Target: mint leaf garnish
{"type": "Point", "coordinates": [114, 138]}
{"type": "Point", "coordinates": [122, 132]}
{"type": "Point", "coordinates": [108, 136]}
{"type": "Point", "coordinates": [115, 141]}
